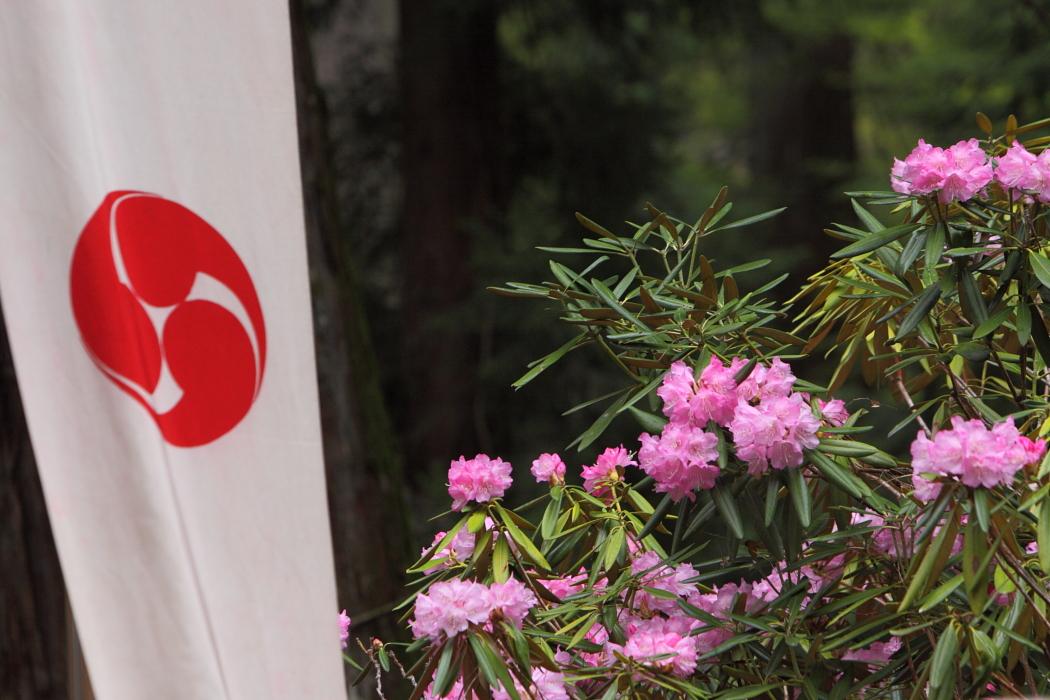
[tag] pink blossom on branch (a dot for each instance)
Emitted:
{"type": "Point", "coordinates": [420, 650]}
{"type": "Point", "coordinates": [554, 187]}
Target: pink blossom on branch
{"type": "Point", "coordinates": [834, 411]}
{"type": "Point", "coordinates": [974, 454]}
{"type": "Point", "coordinates": [957, 173]}
{"type": "Point", "coordinates": [667, 651]}
{"type": "Point", "coordinates": [1020, 170]}
{"type": "Point", "coordinates": [480, 479]}
{"type": "Point", "coordinates": [548, 468]}
{"type": "Point", "coordinates": [606, 469]}
{"type": "Point", "coordinates": [681, 460]}
{"type": "Point", "coordinates": [546, 685]}
{"type": "Point", "coordinates": [512, 599]}
{"type": "Point", "coordinates": [344, 628]}
{"type": "Point", "coordinates": [449, 607]}
{"type": "Point", "coordinates": [876, 654]}
{"type": "Point", "coordinates": [458, 550]}
{"type": "Point", "coordinates": [676, 391]}
{"type": "Point", "coordinates": [716, 394]}
{"type": "Point", "coordinates": [764, 382]}
{"type": "Point", "coordinates": [774, 433]}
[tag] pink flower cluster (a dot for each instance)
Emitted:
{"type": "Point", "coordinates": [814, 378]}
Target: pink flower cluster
{"type": "Point", "coordinates": [450, 607]}
{"type": "Point", "coordinates": [974, 454]}
{"type": "Point", "coordinates": [546, 685]}
{"type": "Point", "coordinates": [656, 643]}
{"type": "Point", "coordinates": [774, 432]}
{"type": "Point", "coordinates": [680, 460]}
{"type": "Point", "coordinates": [480, 479]}
{"type": "Point", "coordinates": [956, 173]}
{"type": "Point", "coordinates": [571, 585]}
{"type": "Point", "coordinates": [608, 468]}
{"type": "Point", "coordinates": [344, 628]}
{"type": "Point", "coordinates": [886, 541]}
{"type": "Point", "coordinates": [657, 632]}
{"type": "Point", "coordinates": [877, 654]}
{"type": "Point", "coordinates": [771, 425]}
{"type": "Point", "coordinates": [548, 468]}
{"type": "Point", "coordinates": [458, 549]}
{"type": "Point", "coordinates": [1022, 171]}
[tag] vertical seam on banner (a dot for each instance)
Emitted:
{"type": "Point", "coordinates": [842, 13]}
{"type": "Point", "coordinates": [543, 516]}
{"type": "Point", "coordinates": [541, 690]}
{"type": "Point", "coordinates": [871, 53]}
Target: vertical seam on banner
{"type": "Point", "coordinates": [184, 537]}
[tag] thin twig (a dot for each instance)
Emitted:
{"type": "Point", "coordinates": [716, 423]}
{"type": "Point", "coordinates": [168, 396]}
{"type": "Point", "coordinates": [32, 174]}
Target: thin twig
{"type": "Point", "coordinates": [899, 382]}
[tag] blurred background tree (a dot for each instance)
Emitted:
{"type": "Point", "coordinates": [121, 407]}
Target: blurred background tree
{"type": "Point", "coordinates": [442, 140]}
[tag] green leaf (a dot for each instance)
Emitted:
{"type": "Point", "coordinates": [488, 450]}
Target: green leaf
{"type": "Point", "coordinates": [935, 554]}
{"type": "Point", "coordinates": [424, 561]}
{"type": "Point", "coordinates": [543, 363]}
{"type": "Point", "coordinates": [873, 241]}
{"type": "Point", "coordinates": [992, 323]}
{"type": "Point", "coordinates": [727, 507]}
{"type": "Point", "coordinates": [521, 540]}
{"type": "Point", "coordinates": [500, 560]}
{"type": "Point", "coordinates": [1040, 266]}
{"type": "Point", "coordinates": [1040, 337]}
{"type": "Point", "coordinates": [611, 301]}
{"type": "Point", "coordinates": [657, 517]}
{"type": "Point", "coordinates": [867, 218]}
{"type": "Point", "coordinates": [1043, 535]}
{"type": "Point", "coordinates": [772, 489]}
{"type": "Point", "coordinates": [836, 474]}
{"type": "Point", "coordinates": [650, 422]}
{"type": "Point", "coordinates": [799, 495]}
{"type": "Point", "coordinates": [598, 427]}
{"type": "Point", "coordinates": [519, 646]}
{"type": "Point", "coordinates": [934, 246]}
{"type": "Point", "coordinates": [1024, 324]}
{"type": "Point", "coordinates": [492, 666]}
{"type": "Point", "coordinates": [944, 662]}
{"type": "Point", "coordinates": [749, 220]}
{"type": "Point", "coordinates": [972, 301]}
{"type": "Point", "coordinates": [748, 691]}
{"type": "Point", "coordinates": [940, 593]}
{"type": "Point", "coordinates": [443, 677]}
{"type": "Point", "coordinates": [613, 544]}
{"type": "Point", "coordinates": [912, 249]}
{"type": "Point", "coordinates": [980, 504]}
{"type": "Point", "coordinates": [549, 523]}
{"type": "Point", "coordinates": [923, 303]}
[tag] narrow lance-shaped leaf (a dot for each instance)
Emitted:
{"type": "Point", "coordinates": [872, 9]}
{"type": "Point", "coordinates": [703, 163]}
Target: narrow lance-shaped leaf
{"type": "Point", "coordinates": [944, 662]}
{"type": "Point", "coordinates": [548, 360]}
{"type": "Point", "coordinates": [799, 495]}
{"type": "Point", "coordinates": [723, 499]}
{"type": "Point", "coordinates": [923, 303]}
{"type": "Point", "coordinates": [1040, 266]}
{"type": "Point", "coordinates": [1043, 534]}
{"type": "Point", "coordinates": [927, 571]}
{"type": "Point", "coordinates": [874, 241]}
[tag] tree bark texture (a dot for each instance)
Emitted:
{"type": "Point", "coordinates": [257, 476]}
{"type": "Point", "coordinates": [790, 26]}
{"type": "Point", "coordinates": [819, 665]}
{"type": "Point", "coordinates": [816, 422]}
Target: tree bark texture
{"type": "Point", "coordinates": [362, 458]}
{"type": "Point", "coordinates": [451, 140]}
{"type": "Point", "coordinates": [33, 632]}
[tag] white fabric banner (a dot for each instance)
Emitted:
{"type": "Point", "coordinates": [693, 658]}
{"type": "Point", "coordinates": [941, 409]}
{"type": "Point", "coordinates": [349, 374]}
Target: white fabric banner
{"type": "Point", "coordinates": [154, 282]}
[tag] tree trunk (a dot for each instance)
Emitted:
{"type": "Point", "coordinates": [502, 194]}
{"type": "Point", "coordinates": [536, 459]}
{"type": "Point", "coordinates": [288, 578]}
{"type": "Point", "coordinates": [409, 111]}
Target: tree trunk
{"type": "Point", "coordinates": [363, 463]}
{"type": "Point", "coordinates": [33, 632]}
{"type": "Point", "coordinates": [450, 132]}
{"type": "Point", "coordinates": [804, 141]}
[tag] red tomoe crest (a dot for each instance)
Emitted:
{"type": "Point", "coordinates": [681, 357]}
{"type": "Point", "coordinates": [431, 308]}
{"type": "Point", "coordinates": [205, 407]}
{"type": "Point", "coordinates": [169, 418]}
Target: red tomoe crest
{"type": "Point", "coordinates": [168, 312]}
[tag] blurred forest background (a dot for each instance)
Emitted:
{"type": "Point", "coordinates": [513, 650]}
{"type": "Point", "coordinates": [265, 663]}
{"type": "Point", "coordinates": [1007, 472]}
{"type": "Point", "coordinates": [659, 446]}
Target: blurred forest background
{"type": "Point", "coordinates": [443, 140]}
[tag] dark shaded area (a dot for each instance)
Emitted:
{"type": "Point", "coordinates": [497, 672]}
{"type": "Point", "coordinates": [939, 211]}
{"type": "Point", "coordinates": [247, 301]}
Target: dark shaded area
{"type": "Point", "coordinates": [33, 634]}
{"type": "Point", "coordinates": [442, 141]}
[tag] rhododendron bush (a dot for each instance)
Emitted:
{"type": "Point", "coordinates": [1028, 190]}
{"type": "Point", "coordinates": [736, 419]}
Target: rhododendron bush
{"type": "Point", "coordinates": [755, 540]}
